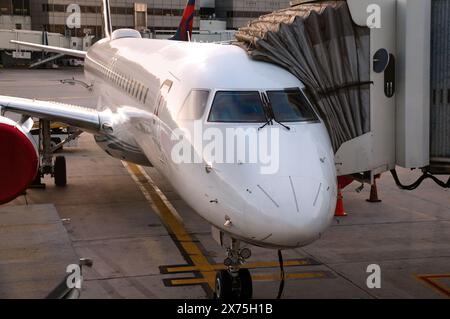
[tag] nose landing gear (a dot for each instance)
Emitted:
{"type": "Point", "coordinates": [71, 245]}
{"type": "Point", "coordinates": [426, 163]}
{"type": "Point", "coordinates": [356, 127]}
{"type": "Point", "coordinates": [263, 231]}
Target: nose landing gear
{"type": "Point", "coordinates": [234, 283]}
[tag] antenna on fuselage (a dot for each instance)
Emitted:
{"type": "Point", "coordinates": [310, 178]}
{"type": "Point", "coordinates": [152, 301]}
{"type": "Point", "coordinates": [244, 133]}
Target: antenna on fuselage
{"type": "Point", "coordinates": [106, 15]}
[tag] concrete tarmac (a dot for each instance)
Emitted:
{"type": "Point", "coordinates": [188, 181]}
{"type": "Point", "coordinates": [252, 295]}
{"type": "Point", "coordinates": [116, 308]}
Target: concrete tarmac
{"type": "Point", "coordinates": [129, 230]}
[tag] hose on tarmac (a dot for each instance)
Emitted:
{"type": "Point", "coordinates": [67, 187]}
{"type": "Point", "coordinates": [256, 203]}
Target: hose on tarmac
{"type": "Point", "coordinates": [282, 274]}
{"type": "Point", "coordinates": [417, 183]}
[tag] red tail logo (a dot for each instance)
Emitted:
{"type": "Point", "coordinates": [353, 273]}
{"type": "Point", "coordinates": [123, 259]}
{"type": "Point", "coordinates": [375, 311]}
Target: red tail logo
{"type": "Point", "coordinates": [186, 24]}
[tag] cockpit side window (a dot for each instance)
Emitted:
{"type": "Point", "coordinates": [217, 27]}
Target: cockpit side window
{"type": "Point", "coordinates": [237, 107]}
{"type": "Point", "coordinates": [291, 105]}
{"type": "Point", "coordinates": [194, 106]}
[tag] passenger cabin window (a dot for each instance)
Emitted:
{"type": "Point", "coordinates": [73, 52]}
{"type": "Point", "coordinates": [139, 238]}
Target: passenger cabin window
{"type": "Point", "coordinates": [194, 106]}
{"type": "Point", "coordinates": [237, 107]}
{"type": "Point", "coordinates": [138, 88]}
{"type": "Point", "coordinates": [130, 87]}
{"type": "Point", "coordinates": [291, 106]}
{"type": "Point", "coordinates": [145, 96]}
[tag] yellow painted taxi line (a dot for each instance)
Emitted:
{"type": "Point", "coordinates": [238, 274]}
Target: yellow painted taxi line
{"type": "Point", "coordinates": [255, 277]}
{"type": "Point", "coordinates": [250, 265]}
{"type": "Point", "coordinates": [173, 223]}
{"type": "Point", "coordinates": [434, 282]}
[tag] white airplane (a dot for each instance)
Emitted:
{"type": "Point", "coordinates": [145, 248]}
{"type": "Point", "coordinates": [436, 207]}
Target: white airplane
{"type": "Point", "coordinates": [147, 89]}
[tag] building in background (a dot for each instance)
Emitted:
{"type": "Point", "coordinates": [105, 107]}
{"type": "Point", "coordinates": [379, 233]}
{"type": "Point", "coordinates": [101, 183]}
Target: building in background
{"type": "Point", "coordinates": [161, 16]}
{"type": "Point", "coordinates": [51, 15]}
{"type": "Point", "coordinates": [15, 14]}
{"type": "Point", "coordinates": [238, 13]}
{"type": "Point", "coordinates": [215, 21]}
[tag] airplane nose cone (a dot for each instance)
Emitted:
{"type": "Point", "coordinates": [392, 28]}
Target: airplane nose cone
{"type": "Point", "coordinates": [293, 210]}
{"type": "Point", "coordinates": [285, 202]}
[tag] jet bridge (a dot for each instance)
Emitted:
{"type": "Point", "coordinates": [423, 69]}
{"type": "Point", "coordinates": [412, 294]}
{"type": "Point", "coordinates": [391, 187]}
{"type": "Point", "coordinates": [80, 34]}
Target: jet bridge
{"type": "Point", "coordinates": [367, 66]}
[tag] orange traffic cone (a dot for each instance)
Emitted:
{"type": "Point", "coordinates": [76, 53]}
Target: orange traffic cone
{"type": "Point", "coordinates": [374, 193]}
{"type": "Point", "coordinates": [340, 211]}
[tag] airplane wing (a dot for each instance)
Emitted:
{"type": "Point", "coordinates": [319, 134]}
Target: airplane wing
{"type": "Point", "coordinates": [48, 48]}
{"type": "Point", "coordinates": [84, 118]}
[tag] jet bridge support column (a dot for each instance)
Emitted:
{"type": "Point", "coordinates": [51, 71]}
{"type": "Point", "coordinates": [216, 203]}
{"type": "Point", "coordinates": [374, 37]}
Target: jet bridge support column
{"type": "Point", "coordinates": [413, 83]}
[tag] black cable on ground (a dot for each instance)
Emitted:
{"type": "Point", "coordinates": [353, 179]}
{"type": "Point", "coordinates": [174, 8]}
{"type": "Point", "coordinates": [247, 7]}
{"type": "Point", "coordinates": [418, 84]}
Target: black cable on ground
{"type": "Point", "coordinates": [282, 274]}
{"type": "Point", "coordinates": [417, 183]}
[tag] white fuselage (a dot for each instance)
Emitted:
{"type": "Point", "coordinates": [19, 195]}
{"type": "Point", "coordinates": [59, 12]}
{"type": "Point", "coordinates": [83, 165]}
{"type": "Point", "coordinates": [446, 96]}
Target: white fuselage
{"type": "Point", "coordinates": [143, 84]}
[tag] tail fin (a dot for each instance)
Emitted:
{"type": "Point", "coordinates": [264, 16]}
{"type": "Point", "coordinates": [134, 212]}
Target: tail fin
{"type": "Point", "coordinates": [106, 14]}
{"type": "Point", "coordinates": [184, 32]}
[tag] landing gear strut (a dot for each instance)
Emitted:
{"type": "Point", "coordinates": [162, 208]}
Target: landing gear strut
{"type": "Point", "coordinates": [234, 283]}
{"type": "Point", "coordinates": [57, 167]}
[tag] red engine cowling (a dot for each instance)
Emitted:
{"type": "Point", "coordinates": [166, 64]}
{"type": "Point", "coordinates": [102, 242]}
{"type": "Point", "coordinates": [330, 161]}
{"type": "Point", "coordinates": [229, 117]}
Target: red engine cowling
{"type": "Point", "coordinates": [19, 160]}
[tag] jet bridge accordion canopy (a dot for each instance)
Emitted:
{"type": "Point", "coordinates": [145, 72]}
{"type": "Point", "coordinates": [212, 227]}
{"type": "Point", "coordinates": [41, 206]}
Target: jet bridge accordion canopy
{"type": "Point", "coordinates": [321, 45]}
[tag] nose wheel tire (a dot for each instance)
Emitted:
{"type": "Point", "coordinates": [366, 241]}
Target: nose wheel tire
{"type": "Point", "coordinates": [234, 286]}
{"type": "Point", "coordinates": [224, 285]}
{"type": "Point", "coordinates": [246, 288]}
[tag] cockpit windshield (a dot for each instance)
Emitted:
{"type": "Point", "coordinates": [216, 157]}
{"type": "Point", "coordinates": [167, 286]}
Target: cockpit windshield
{"type": "Point", "coordinates": [237, 107]}
{"type": "Point", "coordinates": [291, 106]}
{"type": "Point", "coordinates": [288, 105]}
